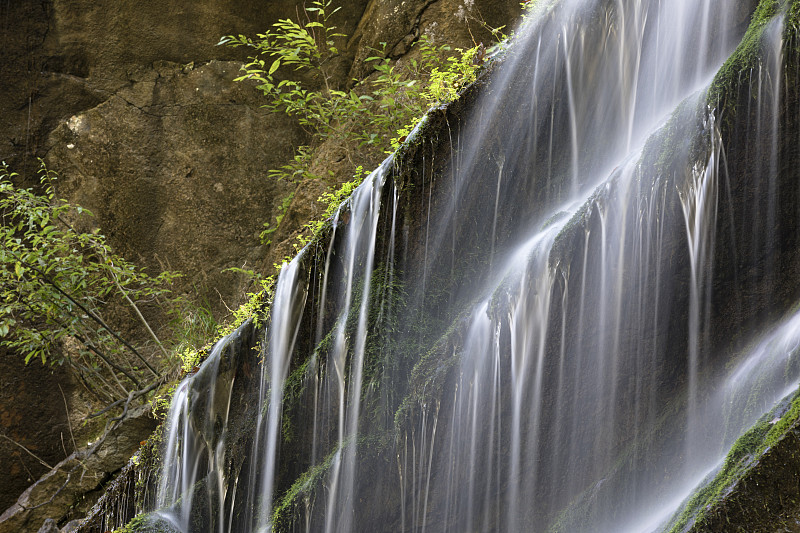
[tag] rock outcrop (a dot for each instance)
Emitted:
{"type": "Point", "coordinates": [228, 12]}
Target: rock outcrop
{"type": "Point", "coordinates": [62, 492]}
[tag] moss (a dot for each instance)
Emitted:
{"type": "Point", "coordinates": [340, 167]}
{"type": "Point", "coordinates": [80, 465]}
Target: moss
{"type": "Point", "coordinates": [430, 373]}
{"type": "Point", "coordinates": [304, 486]}
{"type": "Point", "coordinates": [293, 390]}
{"type": "Point", "coordinates": [146, 523]}
{"type": "Point", "coordinates": [745, 453]}
{"type": "Point", "coordinates": [787, 421]}
{"type": "Point", "coordinates": [387, 301]}
{"type": "Point", "coordinates": [746, 55]}
{"type": "Point", "coordinates": [307, 484]}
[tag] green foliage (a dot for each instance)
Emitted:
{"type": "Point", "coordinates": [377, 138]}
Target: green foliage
{"type": "Point", "coordinates": [270, 229]}
{"type": "Point", "coordinates": [293, 67]}
{"type": "Point", "coordinates": [332, 201]}
{"type": "Point", "coordinates": [57, 282]}
{"type": "Point", "coordinates": [305, 47]}
{"type": "Point", "coordinates": [458, 72]}
{"type": "Point", "coordinates": [255, 307]}
{"type": "Point", "coordinates": [160, 406]}
{"type": "Point", "coordinates": [191, 327]}
{"type": "Point", "coordinates": [529, 6]}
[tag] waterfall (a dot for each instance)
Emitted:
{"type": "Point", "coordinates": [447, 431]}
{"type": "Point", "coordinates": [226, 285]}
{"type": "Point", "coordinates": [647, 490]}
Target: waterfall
{"type": "Point", "coordinates": [554, 310]}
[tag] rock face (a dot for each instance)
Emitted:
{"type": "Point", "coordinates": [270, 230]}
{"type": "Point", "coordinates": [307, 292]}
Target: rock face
{"type": "Point", "coordinates": [77, 475]}
{"type": "Point", "coordinates": [174, 167]}
{"type": "Point", "coordinates": [134, 106]}
{"type": "Point", "coordinates": [38, 429]}
{"type": "Point", "coordinates": [380, 499]}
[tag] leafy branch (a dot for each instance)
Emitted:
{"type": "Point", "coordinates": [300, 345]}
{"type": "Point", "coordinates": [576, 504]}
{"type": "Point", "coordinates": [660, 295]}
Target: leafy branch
{"type": "Point", "coordinates": [56, 283]}
{"type": "Point", "coordinates": [292, 66]}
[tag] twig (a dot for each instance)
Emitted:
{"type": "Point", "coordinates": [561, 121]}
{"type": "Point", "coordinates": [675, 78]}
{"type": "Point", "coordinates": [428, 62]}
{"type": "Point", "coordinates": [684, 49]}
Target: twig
{"type": "Point", "coordinates": [139, 314]}
{"type": "Point", "coordinates": [66, 455]}
{"type": "Point", "coordinates": [116, 379]}
{"type": "Point", "coordinates": [69, 422]}
{"type": "Point", "coordinates": [221, 299]}
{"type": "Point", "coordinates": [12, 441]}
{"type": "Point", "coordinates": [131, 396]}
{"type": "Point", "coordinates": [90, 345]}
{"type": "Point", "coordinates": [57, 492]}
{"type": "Point", "coordinates": [31, 477]}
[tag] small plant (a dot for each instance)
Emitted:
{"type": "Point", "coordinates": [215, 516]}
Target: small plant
{"type": "Point", "coordinates": [191, 327]}
{"type": "Point", "coordinates": [269, 228]}
{"type": "Point", "coordinates": [458, 72]}
{"type": "Point", "coordinates": [57, 283]}
{"type": "Point", "coordinates": [306, 48]}
{"type": "Point", "coordinates": [292, 66]}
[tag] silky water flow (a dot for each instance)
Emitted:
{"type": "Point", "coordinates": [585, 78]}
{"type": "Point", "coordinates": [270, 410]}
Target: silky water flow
{"type": "Point", "coordinates": [564, 278]}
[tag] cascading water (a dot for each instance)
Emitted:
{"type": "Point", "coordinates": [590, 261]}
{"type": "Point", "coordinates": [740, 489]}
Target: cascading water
{"type": "Point", "coordinates": [544, 331]}
{"type": "Point", "coordinates": [194, 464]}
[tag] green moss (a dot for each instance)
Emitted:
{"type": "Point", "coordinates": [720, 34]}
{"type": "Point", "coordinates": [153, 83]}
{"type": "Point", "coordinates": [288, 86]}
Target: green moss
{"type": "Point", "coordinates": [747, 54]}
{"type": "Point", "coordinates": [385, 348]}
{"type": "Point", "coordinates": [788, 420]}
{"type": "Point", "coordinates": [146, 523]}
{"type": "Point", "coordinates": [293, 390]}
{"type": "Point", "coordinates": [745, 453]}
{"type": "Point", "coordinates": [312, 480]}
{"type": "Point", "coordinates": [430, 373]}
{"type": "Point", "coordinates": [304, 486]}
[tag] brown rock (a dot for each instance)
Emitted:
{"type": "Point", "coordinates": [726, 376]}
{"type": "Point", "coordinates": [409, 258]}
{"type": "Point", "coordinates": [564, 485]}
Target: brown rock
{"type": "Point", "coordinates": [49, 526]}
{"type": "Point", "coordinates": [174, 166]}
{"type": "Point", "coordinates": [63, 486]}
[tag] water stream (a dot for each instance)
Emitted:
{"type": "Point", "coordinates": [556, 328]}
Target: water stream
{"type": "Point", "coordinates": [541, 337]}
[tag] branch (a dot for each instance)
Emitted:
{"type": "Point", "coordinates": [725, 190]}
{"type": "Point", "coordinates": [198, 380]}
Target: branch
{"type": "Point", "coordinates": [90, 345]}
{"type": "Point", "coordinates": [139, 314]}
{"type": "Point", "coordinates": [12, 441]}
{"type": "Point", "coordinates": [44, 277]}
{"type": "Point", "coordinates": [57, 492]}
{"type": "Point", "coordinates": [69, 422]}
{"type": "Point", "coordinates": [132, 395]}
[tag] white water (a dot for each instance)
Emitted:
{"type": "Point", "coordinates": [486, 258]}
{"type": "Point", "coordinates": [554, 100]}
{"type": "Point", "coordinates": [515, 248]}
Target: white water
{"type": "Point", "coordinates": [195, 445]}
{"type": "Point", "coordinates": [288, 303]}
{"type": "Point", "coordinates": [588, 393]}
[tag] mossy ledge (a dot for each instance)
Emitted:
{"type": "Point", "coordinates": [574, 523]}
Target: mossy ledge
{"type": "Point", "coordinates": [756, 489]}
{"type": "Point", "coordinates": [723, 91]}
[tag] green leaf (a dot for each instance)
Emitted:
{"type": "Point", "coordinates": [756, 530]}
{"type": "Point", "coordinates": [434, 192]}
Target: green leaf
{"type": "Point", "coordinates": [275, 65]}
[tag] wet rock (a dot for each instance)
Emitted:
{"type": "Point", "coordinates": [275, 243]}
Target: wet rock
{"type": "Point", "coordinates": [49, 526]}
{"type": "Point", "coordinates": [134, 105]}
{"type": "Point", "coordinates": [63, 486]}
{"type": "Point", "coordinates": [71, 526]}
